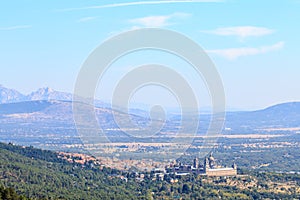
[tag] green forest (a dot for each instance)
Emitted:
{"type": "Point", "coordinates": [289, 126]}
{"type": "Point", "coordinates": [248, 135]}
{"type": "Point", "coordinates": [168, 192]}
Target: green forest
{"type": "Point", "coordinates": [30, 173]}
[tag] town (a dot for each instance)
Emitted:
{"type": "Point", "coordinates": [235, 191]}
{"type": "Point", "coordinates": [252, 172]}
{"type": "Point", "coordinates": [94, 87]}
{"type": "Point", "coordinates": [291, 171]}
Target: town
{"type": "Point", "coordinates": [154, 170]}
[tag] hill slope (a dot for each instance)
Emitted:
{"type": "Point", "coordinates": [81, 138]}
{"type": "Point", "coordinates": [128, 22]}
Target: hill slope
{"type": "Point", "coordinates": [286, 115]}
{"type": "Point", "coordinates": [40, 174]}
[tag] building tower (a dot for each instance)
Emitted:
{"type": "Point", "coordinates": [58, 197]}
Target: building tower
{"type": "Point", "coordinates": [212, 162]}
{"type": "Point", "coordinates": [234, 166]}
{"type": "Point", "coordinates": [196, 163]}
{"type": "Point", "coordinates": [206, 165]}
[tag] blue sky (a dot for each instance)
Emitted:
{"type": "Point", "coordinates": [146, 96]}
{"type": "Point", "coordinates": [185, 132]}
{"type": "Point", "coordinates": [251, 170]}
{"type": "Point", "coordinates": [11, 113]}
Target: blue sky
{"type": "Point", "coordinates": [254, 44]}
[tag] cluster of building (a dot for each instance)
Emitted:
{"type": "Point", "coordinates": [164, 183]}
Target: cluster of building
{"type": "Point", "coordinates": [209, 168]}
{"type": "Point", "coordinates": [78, 158]}
{"type": "Point", "coordinates": [113, 163]}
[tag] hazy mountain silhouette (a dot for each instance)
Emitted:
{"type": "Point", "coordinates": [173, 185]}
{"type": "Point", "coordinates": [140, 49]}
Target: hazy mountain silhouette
{"type": "Point", "coordinates": [10, 95]}
{"type": "Point", "coordinates": [49, 94]}
{"type": "Point", "coordinates": [282, 115]}
{"type": "Point", "coordinates": [49, 106]}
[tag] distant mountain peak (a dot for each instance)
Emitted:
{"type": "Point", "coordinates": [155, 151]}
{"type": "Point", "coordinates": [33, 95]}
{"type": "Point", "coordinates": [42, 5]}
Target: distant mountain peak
{"type": "Point", "coordinates": [48, 89]}
{"type": "Point", "coordinates": [10, 95]}
{"type": "Point", "coordinates": [45, 90]}
{"type": "Point", "coordinates": [48, 93]}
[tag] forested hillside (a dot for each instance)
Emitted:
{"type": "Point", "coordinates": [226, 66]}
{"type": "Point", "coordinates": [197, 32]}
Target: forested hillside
{"type": "Point", "coordinates": [39, 174]}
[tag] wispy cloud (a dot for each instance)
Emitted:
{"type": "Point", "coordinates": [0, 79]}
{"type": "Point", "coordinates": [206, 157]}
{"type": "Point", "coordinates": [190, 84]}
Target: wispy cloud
{"type": "Point", "coordinates": [158, 21]}
{"type": "Point", "coordinates": [241, 31]}
{"type": "Point", "coordinates": [86, 19]}
{"type": "Point", "coordinates": [234, 53]}
{"type": "Point", "coordinates": [10, 28]}
{"type": "Point", "coordinates": [137, 3]}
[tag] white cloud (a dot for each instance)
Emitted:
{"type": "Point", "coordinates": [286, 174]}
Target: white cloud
{"type": "Point", "coordinates": [242, 31]}
{"type": "Point", "coordinates": [136, 3]}
{"type": "Point", "coordinates": [234, 53]}
{"type": "Point", "coordinates": [158, 21]}
{"type": "Point", "coordinates": [85, 19]}
{"type": "Point", "coordinates": [10, 28]}
{"type": "Point", "coordinates": [151, 21]}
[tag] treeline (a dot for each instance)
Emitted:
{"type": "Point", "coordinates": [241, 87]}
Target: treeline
{"type": "Point", "coordinates": [31, 152]}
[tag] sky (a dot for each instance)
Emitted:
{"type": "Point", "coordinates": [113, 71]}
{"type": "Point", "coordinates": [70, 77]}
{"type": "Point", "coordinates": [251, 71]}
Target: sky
{"type": "Point", "coordinates": [253, 44]}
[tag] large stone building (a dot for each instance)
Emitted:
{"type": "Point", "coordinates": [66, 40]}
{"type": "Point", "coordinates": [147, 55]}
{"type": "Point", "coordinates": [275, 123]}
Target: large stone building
{"type": "Point", "coordinates": [211, 169]}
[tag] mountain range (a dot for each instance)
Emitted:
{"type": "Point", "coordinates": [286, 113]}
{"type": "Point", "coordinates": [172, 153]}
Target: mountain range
{"type": "Point", "coordinates": [12, 96]}
{"type": "Point", "coordinates": [46, 116]}
{"type": "Point", "coordinates": [277, 118]}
